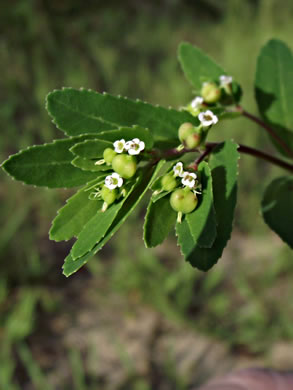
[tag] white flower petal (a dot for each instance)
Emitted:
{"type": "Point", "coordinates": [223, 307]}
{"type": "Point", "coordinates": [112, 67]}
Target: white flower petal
{"type": "Point", "coordinates": [196, 102]}
{"type": "Point", "coordinates": [133, 152]}
{"type": "Point", "coordinates": [113, 181]}
{"type": "Point", "coordinates": [178, 169]}
{"type": "Point", "coordinates": [225, 80]}
{"type": "Point", "coordinates": [188, 179]}
{"type": "Point", "coordinates": [128, 145]}
{"type": "Point", "coordinates": [135, 146]}
{"type": "Point", "coordinates": [141, 145]}
{"type": "Point", "coordinates": [207, 118]}
{"type": "Point", "coordinates": [119, 145]}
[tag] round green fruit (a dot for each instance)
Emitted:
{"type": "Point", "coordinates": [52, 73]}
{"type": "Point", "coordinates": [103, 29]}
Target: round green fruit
{"type": "Point", "coordinates": [109, 196]}
{"type": "Point", "coordinates": [193, 140]}
{"type": "Point", "coordinates": [125, 165]}
{"type": "Point", "coordinates": [183, 201]}
{"type": "Point", "coordinates": [168, 182]}
{"type": "Point", "coordinates": [211, 92]}
{"type": "Point", "coordinates": [108, 155]}
{"type": "Point", "coordinates": [185, 130]}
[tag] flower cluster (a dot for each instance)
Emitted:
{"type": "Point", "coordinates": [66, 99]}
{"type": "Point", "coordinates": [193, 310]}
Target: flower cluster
{"type": "Point", "coordinates": [183, 198]}
{"type": "Point", "coordinates": [188, 179]}
{"type": "Point", "coordinates": [122, 159]}
{"type": "Point", "coordinates": [133, 147]}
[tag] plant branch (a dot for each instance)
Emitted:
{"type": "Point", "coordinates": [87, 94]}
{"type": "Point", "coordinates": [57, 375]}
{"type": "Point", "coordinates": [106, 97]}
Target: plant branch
{"type": "Point", "coordinates": [201, 157]}
{"type": "Point", "coordinates": [259, 154]}
{"type": "Point", "coordinates": [272, 133]}
{"type": "Point", "coordinates": [209, 146]}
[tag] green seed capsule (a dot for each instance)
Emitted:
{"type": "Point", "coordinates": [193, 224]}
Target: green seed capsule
{"type": "Point", "coordinates": [183, 201]}
{"type": "Point", "coordinates": [108, 155]}
{"type": "Point", "coordinates": [185, 130]}
{"type": "Point", "coordinates": [168, 182]}
{"type": "Point", "coordinates": [125, 165]}
{"type": "Point", "coordinates": [211, 92]}
{"type": "Point", "coordinates": [193, 140]}
{"type": "Point", "coordinates": [109, 196]}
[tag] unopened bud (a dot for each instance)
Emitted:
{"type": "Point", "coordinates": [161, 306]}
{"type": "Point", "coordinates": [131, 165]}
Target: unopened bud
{"type": "Point", "coordinates": [193, 140]}
{"type": "Point", "coordinates": [185, 130]}
{"type": "Point", "coordinates": [211, 92]}
{"type": "Point", "coordinates": [168, 182]}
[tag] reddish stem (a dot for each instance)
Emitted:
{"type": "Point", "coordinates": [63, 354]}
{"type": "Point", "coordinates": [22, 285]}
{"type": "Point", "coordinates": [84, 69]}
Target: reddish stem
{"type": "Point", "coordinates": [267, 128]}
{"type": "Point", "coordinates": [259, 154]}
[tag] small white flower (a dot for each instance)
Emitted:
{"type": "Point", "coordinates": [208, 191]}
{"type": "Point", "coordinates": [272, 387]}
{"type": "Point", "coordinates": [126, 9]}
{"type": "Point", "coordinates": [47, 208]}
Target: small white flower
{"type": "Point", "coordinates": [207, 118]}
{"type": "Point", "coordinates": [178, 169]}
{"type": "Point", "coordinates": [188, 179]}
{"type": "Point", "coordinates": [134, 146]}
{"type": "Point", "coordinates": [113, 181]}
{"type": "Point", "coordinates": [196, 102]}
{"type": "Point", "coordinates": [119, 146]}
{"type": "Point", "coordinates": [225, 80]}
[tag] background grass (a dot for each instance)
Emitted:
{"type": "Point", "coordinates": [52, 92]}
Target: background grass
{"type": "Point", "coordinates": [130, 49]}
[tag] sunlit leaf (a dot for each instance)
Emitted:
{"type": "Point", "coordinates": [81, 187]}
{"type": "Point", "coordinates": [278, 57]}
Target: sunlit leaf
{"type": "Point", "coordinates": [85, 111]}
{"type": "Point", "coordinates": [48, 165]}
{"type": "Point", "coordinates": [198, 66]}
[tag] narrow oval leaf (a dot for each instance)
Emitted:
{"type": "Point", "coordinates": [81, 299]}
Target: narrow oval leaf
{"type": "Point", "coordinates": [277, 208]}
{"type": "Point", "coordinates": [274, 89]}
{"type": "Point", "coordinates": [160, 219]}
{"type": "Point", "coordinates": [48, 165]}
{"type": "Point", "coordinates": [128, 133]}
{"type": "Point", "coordinates": [93, 148]}
{"type": "Point", "coordinates": [224, 167]}
{"type": "Point", "coordinates": [197, 66]}
{"type": "Point", "coordinates": [72, 217]}
{"type": "Point", "coordinates": [85, 111]}
{"type": "Point", "coordinates": [202, 221]}
{"type": "Point", "coordinates": [147, 178]}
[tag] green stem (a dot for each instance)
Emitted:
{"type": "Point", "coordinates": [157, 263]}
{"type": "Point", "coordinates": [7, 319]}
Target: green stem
{"type": "Point", "coordinates": [269, 130]}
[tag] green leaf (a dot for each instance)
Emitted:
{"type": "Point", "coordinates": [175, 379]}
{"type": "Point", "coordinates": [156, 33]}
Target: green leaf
{"type": "Point", "coordinates": [96, 228]}
{"type": "Point", "coordinates": [146, 179]}
{"type": "Point", "coordinates": [72, 217]}
{"type": "Point", "coordinates": [223, 164]}
{"type": "Point", "coordinates": [197, 66]}
{"type": "Point", "coordinates": [48, 165]}
{"type": "Point", "coordinates": [159, 220]}
{"type": "Point", "coordinates": [202, 221]}
{"type": "Point", "coordinates": [89, 165]}
{"type": "Point", "coordinates": [274, 89]}
{"type": "Point", "coordinates": [84, 111]}
{"type": "Point", "coordinates": [93, 148]}
{"type": "Point", "coordinates": [129, 133]}
{"type": "Point", "coordinates": [277, 207]}
{"type": "Point", "coordinates": [70, 266]}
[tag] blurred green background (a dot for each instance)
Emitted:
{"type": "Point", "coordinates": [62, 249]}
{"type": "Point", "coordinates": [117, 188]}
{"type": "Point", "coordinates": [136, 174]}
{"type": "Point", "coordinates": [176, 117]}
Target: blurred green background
{"type": "Point", "coordinates": [134, 318]}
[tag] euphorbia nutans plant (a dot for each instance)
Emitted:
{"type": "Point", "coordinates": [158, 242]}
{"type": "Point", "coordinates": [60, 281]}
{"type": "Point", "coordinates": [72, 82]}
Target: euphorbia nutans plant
{"type": "Point", "coordinates": [116, 149]}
